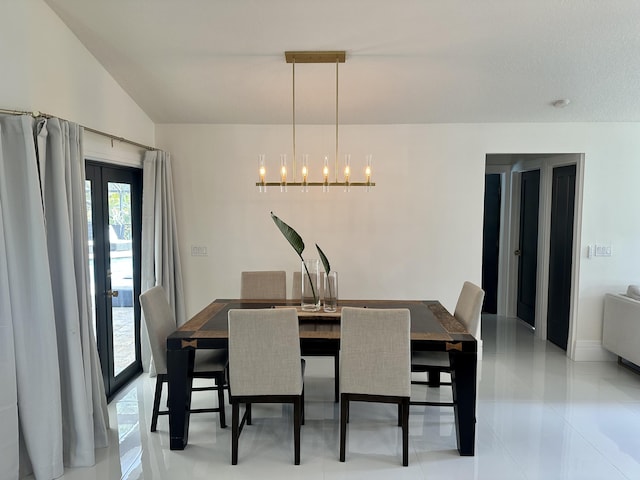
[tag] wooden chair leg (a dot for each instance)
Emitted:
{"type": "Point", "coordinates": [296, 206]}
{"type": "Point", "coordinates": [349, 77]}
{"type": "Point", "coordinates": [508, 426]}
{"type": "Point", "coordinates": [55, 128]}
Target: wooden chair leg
{"type": "Point", "coordinates": [344, 405]}
{"type": "Point", "coordinates": [336, 376]}
{"type": "Point", "coordinates": [220, 384]}
{"type": "Point", "coordinates": [302, 419]}
{"type": "Point", "coordinates": [405, 432]}
{"type": "Point", "coordinates": [160, 379]}
{"type": "Point", "coordinates": [297, 419]}
{"type": "Point", "coordinates": [235, 431]}
{"type": "Point", "coordinates": [434, 378]}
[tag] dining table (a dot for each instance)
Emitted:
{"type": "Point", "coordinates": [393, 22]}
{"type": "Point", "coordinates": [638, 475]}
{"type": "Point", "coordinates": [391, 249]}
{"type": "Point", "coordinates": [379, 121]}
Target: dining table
{"type": "Point", "coordinates": [433, 328]}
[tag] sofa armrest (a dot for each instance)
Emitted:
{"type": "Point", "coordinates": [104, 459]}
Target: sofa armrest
{"type": "Point", "coordinates": [621, 326]}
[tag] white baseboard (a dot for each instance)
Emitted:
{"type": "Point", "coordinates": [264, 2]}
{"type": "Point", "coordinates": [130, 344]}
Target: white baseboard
{"type": "Point", "coordinates": [592, 351]}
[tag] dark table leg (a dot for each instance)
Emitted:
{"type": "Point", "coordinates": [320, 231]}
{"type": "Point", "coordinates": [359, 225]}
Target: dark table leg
{"type": "Point", "coordinates": [463, 379]}
{"type": "Point", "coordinates": [180, 372]}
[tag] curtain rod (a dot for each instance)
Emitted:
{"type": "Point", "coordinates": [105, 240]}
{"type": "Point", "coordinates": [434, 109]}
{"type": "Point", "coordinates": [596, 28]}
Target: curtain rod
{"type": "Point", "coordinates": [36, 114]}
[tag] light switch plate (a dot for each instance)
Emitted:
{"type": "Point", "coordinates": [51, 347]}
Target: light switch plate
{"type": "Point", "coordinates": [199, 251]}
{"type": "Point", "coordinates": [602, 250]}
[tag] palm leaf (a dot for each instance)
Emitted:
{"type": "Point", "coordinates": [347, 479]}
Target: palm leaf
{"type": "Point", "coordinates": [325, 261]}
{"type": "Point", "coordinates": [290, 234]}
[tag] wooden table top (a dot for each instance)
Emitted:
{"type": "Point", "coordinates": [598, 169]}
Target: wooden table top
{"type": "Point", "coordinates": [431, 324]}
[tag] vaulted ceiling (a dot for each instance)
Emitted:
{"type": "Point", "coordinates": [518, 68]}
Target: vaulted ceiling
{"type": "Point", "coordinates": [408, 61]}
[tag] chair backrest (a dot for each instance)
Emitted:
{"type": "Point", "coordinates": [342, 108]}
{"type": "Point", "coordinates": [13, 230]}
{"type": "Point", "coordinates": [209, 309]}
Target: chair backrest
{"type": "Point", "coordinates": [268, 285]}
{"type": "Point", "coordinates": [160, 322]}
{"type": "Point", "coordinates": [296, 285]}
{"type": "Point", "coordinates": [375, 351]}
{"type": "Point", "coordinates": [469, 307]}
{"type": "Point", "coordinates": [264, 352]}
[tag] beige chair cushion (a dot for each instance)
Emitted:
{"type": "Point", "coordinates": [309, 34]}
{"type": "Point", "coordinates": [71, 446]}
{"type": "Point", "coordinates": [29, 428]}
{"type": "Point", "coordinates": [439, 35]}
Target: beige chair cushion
{"type": "Point", "coordinates": [160, 322]}
{"type": "Point", "coordinates": [264, 352]}
{"type": "Point", "coordinates": [267, 285]}
{"type": "Point", "coordinates": [469, 308]}
{"type": "Point", "coordinates": [375, 351]}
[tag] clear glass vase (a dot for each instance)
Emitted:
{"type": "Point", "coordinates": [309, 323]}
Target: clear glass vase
{"type": "Point", "coordinates": [331, 292]}
{"type": "Point", "coordinates": [310, 300]}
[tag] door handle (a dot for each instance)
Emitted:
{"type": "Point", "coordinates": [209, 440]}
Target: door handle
{"type": "Point", "coordinates": [112, 293]}
{"type": "Point", "coordinates": [518, 252]}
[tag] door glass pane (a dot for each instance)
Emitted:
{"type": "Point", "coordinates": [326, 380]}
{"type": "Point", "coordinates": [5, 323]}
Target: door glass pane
{"type": "Point", "coordinates": [121, 258]}
{"type": "Point", "coordinates": [92, 283]}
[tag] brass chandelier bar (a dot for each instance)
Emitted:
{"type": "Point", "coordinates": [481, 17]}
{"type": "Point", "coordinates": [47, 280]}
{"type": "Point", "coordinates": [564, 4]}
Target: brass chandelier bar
{"type": "Point", "coordinates": [294, 57]}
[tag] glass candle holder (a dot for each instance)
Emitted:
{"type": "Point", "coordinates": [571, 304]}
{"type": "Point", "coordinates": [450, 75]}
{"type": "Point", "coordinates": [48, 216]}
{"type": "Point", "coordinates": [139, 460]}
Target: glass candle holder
{"type": "Point", "coordinates": [305, 172]}
{"type": "Point", "coordinates": [367, 171]}
{"type": "Point", "coordinates": [347, 172]}
{"type": "Point", "coordinates": [262, 172]}
{"type": "Point", "coordinates": [325, 175]}
{"type": "Point", "coordinates": [283, 173]}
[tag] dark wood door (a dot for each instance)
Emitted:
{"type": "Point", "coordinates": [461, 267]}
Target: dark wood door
{"type": "Point", "coordinates": [491, 242]}
{"type": "Point", "coordinates": [561, 254]}
{"type": "Point", "coordinates": [528, 248]}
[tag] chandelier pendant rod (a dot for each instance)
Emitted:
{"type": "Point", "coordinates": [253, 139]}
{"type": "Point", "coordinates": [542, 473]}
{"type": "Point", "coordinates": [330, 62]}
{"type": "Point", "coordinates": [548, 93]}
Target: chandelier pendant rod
{"type": "Point", "coordinates": [336, 168]}
{"type": "Point", "coordinates": [293, 64]}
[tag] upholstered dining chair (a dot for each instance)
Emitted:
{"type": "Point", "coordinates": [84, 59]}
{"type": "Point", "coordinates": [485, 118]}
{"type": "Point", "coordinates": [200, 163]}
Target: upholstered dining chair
{"type": "Point", "coordinates": [263, 285]}
{"type": "Point", "coordinates": [264, 367]}
{"type": "Point", "coordinates": [375, 364]}
{"type": "Point", "coordinates": [209, 364]}
{"type": "Point", "coordinates": [296, 293]}
{"type": "Point", "coordinates": [468, 312]}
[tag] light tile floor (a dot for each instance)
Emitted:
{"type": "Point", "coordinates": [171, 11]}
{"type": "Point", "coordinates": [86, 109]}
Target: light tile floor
{"type": "Point", "coordinates": [540, 416]}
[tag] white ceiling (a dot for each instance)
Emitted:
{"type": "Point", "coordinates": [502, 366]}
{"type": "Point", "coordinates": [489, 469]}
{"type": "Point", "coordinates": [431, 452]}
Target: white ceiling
{"type": "Point", "coordinates": [408, 61]}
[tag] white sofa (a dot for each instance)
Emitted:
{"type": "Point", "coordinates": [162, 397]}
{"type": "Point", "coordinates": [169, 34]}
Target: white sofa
{"type": "Point", "coordinates": [621, 326]}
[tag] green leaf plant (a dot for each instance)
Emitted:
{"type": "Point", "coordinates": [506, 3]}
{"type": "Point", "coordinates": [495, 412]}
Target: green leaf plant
{"type": "Point", "coordinates": [327, 267]}
{"type": "Point", "coordinates": [298, 245]}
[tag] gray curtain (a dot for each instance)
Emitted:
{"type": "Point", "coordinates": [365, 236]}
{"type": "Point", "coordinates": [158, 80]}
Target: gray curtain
{"type": "Point", "coordinates": [44, 281]}
{"type": "Point", "coordinates": [160, 252]}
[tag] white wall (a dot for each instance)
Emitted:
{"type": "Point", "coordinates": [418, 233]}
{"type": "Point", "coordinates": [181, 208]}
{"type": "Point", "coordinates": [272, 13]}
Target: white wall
{"type": "Point", "coordinates": [395, 242]}
{"type": "Point", "coordinates": [418, 234]}
{"type": "Point", "coordinates": [46, 68]}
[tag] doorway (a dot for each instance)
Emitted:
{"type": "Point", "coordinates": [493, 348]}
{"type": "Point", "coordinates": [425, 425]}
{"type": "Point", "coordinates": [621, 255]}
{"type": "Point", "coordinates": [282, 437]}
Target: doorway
{"type": "Point", "coordinates": [527, 252]}
{"type": "Point", "coordinates": [516, 182]}
{"type": "Point", "coordinates": [491, 241]}
{"type": "Point", "coordinates": [114, 209]}
{"type": "Point", "coordinates": [561, 254]}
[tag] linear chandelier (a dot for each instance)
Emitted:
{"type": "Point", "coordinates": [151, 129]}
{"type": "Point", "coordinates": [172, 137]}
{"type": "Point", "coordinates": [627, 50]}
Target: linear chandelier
{"type": "Point", "coordinates": [336, 57]}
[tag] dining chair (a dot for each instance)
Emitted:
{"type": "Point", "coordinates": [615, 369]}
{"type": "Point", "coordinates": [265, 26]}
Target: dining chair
{"type": "Point", "coordinates": [208, 364]}
{"type": "Point", "coordinates": [296, 293]}
{"type": "Point", "coordinates": [375, 364]}
{"type": "Point", "coordinates": [468, 312]}
{"type": "Point", "coordinates": [264, 367]}
{"type": "Point", "coordinates": [263, 285]}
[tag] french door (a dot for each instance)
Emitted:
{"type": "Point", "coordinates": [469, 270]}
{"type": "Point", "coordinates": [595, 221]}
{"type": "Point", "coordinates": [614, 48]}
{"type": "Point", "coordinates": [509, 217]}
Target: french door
{"type": "Point", "coordinates": [114, 208]}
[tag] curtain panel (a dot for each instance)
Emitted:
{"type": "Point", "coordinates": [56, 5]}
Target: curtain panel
{"type": "Point", "coordinates": [160, 251]}
{"type": "Point", "coordinates": [52, 390]}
